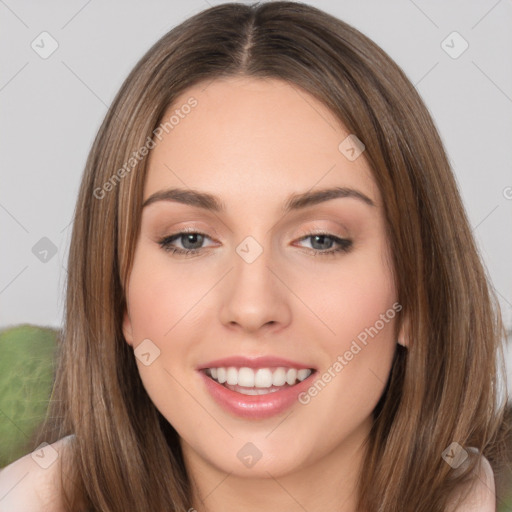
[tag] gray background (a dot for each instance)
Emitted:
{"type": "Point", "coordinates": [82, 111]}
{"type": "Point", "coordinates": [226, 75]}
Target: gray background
{"type": "Point", "coordinates": [52, 108]}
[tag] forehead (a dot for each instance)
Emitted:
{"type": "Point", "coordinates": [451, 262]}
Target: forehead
{"type": "Point", "coordinates": [247, 138]}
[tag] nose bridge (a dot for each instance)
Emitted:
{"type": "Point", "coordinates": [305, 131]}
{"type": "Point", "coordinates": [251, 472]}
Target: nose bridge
{"type": "Point", "coordinates": [252, 264]}
{"type": "Point", "coordinates": [254, 297]}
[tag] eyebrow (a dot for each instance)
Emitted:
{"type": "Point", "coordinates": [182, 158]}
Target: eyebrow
{"type": "Point", "coordinates": [294, 202]}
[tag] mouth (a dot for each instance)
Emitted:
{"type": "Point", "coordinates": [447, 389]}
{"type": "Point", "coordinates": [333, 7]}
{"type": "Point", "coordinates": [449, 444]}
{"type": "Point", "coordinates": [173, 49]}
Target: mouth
{"type": "Point", "coordinates": [256, 388]}
{"type": "Point", "coordinates": [258, 381]}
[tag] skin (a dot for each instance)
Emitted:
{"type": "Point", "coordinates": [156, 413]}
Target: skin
{"type": "Point", "coordinates": [253, 143]}
{"type": "Point", "coordinates": [28, 486]}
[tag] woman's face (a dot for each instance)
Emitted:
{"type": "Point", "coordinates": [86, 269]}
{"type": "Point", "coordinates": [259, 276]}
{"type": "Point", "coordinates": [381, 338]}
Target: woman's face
{"type": "Point", "coordinates": [307, 281]}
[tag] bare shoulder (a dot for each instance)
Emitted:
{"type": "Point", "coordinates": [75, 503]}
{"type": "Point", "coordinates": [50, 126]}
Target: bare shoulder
{"type": "Point", "coordinates": [482, 497]}
{"type": "Point", "coordinates": [32, 483]}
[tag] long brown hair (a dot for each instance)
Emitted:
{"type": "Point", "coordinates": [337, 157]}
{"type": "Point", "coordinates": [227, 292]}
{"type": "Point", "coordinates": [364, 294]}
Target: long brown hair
{"type": "Point", "coordinates": [443, 388]}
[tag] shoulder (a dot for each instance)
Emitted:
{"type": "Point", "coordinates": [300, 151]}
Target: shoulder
{"type": "Point", "coordinates": [32, 483]}
{"type": "Point", "coordinates": [482, 496]}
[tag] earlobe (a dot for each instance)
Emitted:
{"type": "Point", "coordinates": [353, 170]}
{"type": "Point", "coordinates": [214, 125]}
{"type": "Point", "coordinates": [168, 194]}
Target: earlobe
{"type": "Point", "coordinates": [403, 334]}
{"type": "Point", "coordinates": [127, 329]}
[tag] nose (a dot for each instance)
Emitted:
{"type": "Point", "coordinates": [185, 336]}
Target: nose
{"type": "Point", "coordinates": [255, 296]}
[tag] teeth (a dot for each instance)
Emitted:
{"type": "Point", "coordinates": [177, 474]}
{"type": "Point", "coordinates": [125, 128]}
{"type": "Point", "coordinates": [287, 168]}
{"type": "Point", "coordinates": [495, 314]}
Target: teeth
{"type": "Point", "coordinates": [232, 376]}
{"type": "Point", "coordinates": [252, 391]}
{"type": "Point", "coordinates": [244, 377]}
{"type": "Point", "coordinates": [262, 378]}
{"type": "Point", "coordinates": [259, 378]}
{"type": "Point", "coordinates": [221, 375]}
{"type": "Point", "coordinates": [279, 377]}
{"type": "Point", "coordinates": [303, 374]}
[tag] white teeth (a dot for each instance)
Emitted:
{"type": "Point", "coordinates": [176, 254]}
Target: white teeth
{"type": "Point", "coordinates": [221, 374]}
{"type": "Point", "coordinates": [232, 376]}
{"type": "Point", "coordinates": [252, 391]}
{"type": "Point", "coordinates": [245, 377]}
{"type": "Point", "coordinates": [279, 377]}
{"type": "Point", "coordinates": [302, 374]}
{"type": "Point", "coordinates": [259, 378]}
{"type": "Point", "coordinates": [291, 376]}
{"type": "Point", "coordinates": [263, 378]}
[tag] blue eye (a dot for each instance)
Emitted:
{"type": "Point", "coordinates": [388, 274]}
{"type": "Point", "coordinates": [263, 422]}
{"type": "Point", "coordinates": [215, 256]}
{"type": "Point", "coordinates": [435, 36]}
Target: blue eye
{"type": "Point", "coordinates": [192, 242]}
{"type": "Point", "coordinates": [343, 244]}
{"type": "Point", "coordinates": [193, 238]}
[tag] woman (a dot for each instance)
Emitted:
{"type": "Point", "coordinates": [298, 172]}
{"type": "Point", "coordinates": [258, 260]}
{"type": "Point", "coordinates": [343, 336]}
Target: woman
{"type": "Point", "coordinates": [210, 360]}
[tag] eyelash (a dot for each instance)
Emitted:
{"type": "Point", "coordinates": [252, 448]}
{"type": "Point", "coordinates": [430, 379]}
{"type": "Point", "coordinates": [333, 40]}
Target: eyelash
{"type": "Point", "coordinates": [344, 244]}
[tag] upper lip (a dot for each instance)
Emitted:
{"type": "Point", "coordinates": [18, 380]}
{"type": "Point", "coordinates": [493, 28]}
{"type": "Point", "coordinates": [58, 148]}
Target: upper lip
{"type": "Point", "coordinates": [253, 362]}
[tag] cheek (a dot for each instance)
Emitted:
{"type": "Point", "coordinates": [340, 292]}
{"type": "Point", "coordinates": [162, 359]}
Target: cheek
{"type": "Point", "coordinates": [161, 301]}
{"type": "Point", "coordinates": [350, 296]}
{"type": "Point", "coordinates": [164, 301]}
{"type": "Point", "coordinates": [358, 308]}
{"type": "Point", "coordinates": [361, 310]}
{"type": "Point", "coordinates": [160, 295]}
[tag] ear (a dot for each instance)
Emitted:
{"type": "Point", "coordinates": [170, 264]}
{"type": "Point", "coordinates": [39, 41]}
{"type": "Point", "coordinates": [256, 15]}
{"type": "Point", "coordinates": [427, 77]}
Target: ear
{"type": "Point", "coordinates": [403, 334]}
{"type": "Point", "coordinates": [127, 329]}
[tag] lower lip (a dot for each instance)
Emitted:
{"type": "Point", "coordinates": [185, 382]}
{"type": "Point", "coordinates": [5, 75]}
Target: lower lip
{"type": "Point", "coordinates": [255, 406]}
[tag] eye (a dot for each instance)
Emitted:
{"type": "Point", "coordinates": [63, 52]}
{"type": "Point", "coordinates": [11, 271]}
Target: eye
{"type": "Point", "coordinates": [321, 243]}
{"type": "Point", "coordinates": [322, 240]}
{"type": "Point", "coordinates": [191, 241]}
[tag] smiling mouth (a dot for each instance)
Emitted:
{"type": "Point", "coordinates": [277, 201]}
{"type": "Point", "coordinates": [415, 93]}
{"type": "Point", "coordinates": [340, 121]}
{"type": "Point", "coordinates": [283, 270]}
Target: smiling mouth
{"type": "Point", "coordinates": [260, 381]}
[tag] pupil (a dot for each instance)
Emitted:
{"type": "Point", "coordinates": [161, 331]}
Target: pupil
{"type": "Point", "coordinates": [190, 238]}
{"type": "Point", "coordinates": [323, 237]}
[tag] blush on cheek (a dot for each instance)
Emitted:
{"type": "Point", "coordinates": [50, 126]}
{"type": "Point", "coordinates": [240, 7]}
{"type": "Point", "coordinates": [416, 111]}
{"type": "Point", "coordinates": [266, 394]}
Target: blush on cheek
{"type": "Point", "coordinates": [158, 298]}
{"type": "Point", "coordinates": [357, 294]}
{"type": "Point", "coordinates": [353, 314]}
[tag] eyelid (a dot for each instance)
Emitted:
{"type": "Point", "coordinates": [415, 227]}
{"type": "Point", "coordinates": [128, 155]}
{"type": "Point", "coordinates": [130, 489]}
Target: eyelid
{"type": "Point", "coordinates": [311, 228]}
{"type": "Point", "coordinates": [315, 229]}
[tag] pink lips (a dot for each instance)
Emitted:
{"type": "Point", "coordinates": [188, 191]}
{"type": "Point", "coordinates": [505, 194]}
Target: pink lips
{"type": "Point", "coordinates": [254, 406]}
{"type": "Point", "coordinates": [254, 362]}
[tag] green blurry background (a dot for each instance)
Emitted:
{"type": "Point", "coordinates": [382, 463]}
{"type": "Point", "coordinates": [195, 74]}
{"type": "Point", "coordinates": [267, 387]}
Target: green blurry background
{"type": "Point", "coordinates": [26, 379]}
{"type": "Point", "coordinates": [27, 368]}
